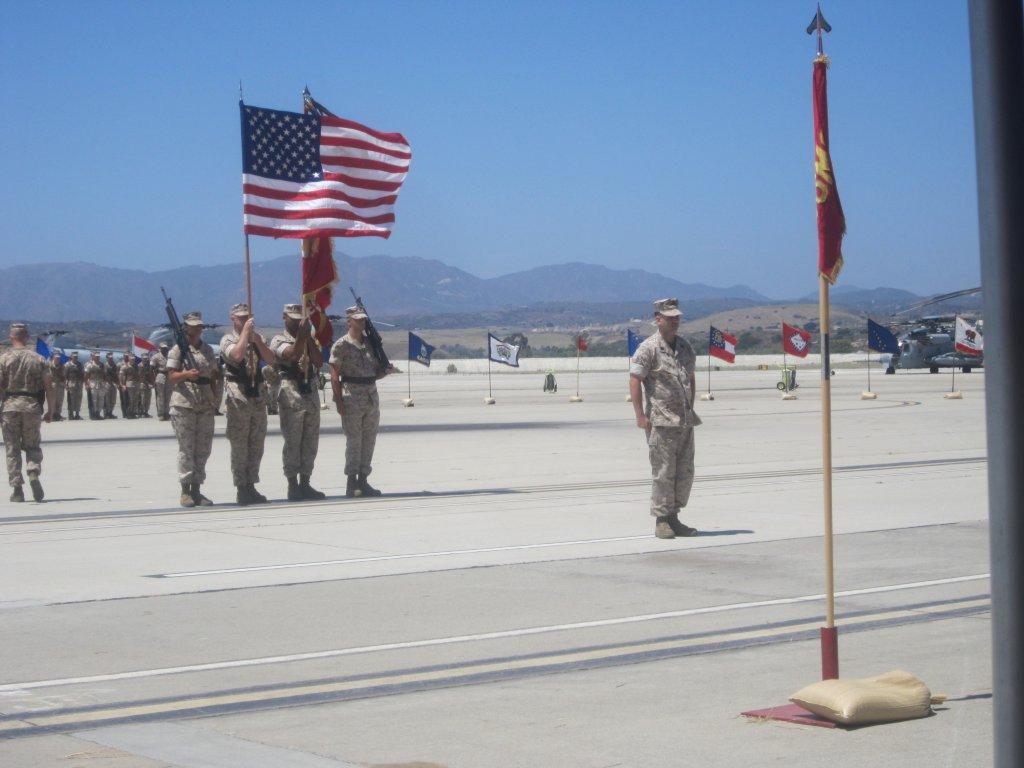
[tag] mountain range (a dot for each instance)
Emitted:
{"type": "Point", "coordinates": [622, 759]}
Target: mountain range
{"type": "Point", "coordinates": [419, 291]}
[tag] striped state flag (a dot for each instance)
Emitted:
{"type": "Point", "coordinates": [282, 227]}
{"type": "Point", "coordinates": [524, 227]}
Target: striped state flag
{"type": "Point", "coordinates": [318, 175]}
{"type": "Point", "coordinates": [722, 345]}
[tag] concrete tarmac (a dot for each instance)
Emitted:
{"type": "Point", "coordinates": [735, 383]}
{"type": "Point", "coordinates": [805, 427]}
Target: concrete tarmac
{"type": "Point", "coordinates": [505, 602]}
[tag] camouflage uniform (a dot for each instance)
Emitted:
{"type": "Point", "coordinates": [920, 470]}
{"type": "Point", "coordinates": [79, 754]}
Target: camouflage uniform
{"type": "Point", "coordinates": [128, 380]}
{"type": "Point", "coordinates": [146, 376]}
{"type": "Point", "coordinates": [666, 373]}
{"type": "Point", "coordinates": [191, 410]}
{"type": "Point", "coordinates": [96, 381]}
{"type": "Point", "coordinates": [57, 374]}
{"type": "Point", "coordinates": [161, 385]}
{"type": "Point", "coordinates": [22, 386]}
{"type": "Point", "coordinates": [299, 409]}
{"type": "Point", "coordinates": [74, 376]}
{"type": "Point", "coordinates": [111, 389]}
{"type": "Point", "coordinates": [358, 370]}
{"type": "Point", "coordinates": [246, 414]}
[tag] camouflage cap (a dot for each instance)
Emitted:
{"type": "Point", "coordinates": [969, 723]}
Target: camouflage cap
{"type": "Point", "coordinates": [240, 310]}
{"type": "Point", "coordinates": [355, 313]}
{"type": "Point", "coordinates": [193, 318]}
{"type": "Point", "coordinates": [19, 328]}
{"type": "Point", "coordinates": [667, 307]}
{"type": "Point", "coordinates": [293, 311]}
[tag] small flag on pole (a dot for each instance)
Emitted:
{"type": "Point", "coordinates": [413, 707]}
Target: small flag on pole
{"type": "Point", "coordinates": [881, 339]}
{"type": "Point", "coordinates": [581, 343]}
{"type": "Point", "coordinates": [967, 339]}
{"type": "Point", "coordinates": [722, 345]}
{"type": "Point", "coordinates": [795, 341]}
{"type": "Point", "coordinates": [419, 350]}
{"type": "Point", "coordinates": [141, 345]}
{"type": "Point", "coordinates": [633, 341]}
{"type": "Point", "coordinates": [502, 352]}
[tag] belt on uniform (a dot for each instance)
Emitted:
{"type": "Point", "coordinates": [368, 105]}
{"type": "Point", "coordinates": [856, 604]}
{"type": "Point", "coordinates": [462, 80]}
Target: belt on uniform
{"type": "Point", "coordinates": [202, 380]}
{"type": "Point", "coordinates": [358, 379]}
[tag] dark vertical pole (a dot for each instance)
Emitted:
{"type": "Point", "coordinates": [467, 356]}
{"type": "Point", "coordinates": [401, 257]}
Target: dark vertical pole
{"type": "Point", "coordinates": [997, 62]}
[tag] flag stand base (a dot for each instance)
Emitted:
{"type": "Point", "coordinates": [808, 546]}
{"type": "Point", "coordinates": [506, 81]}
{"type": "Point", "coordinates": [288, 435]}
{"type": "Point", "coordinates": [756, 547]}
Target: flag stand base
{"type": "Point", "coordinates": [868, 395]}
{"type": "Point", "coordinates": [789, 396]}
{"type": "Point", "coordinates": [707, 396]}
{"type": "Point", "coordinates": [324, 406]}
{"type": "Point", "coordinates": [958, 395]}
{"type": "Point", "coordinates": [576, 399]}
{"type": "Point", "coordinates": [629, 399]}
{"type": "Point", "coordinates": [488, 401]}
{"type": "Point", "coordinates": [408, 402]}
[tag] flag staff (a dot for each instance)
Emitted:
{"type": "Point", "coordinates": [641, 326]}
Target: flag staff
{"type": "Point", "coordinates": [825, 187]}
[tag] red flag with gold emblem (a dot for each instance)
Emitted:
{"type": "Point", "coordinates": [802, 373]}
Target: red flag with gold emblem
{"type": "Point", "coordinates": [831, 222]}
{"type": "Point", "coordinates": [319, 275]}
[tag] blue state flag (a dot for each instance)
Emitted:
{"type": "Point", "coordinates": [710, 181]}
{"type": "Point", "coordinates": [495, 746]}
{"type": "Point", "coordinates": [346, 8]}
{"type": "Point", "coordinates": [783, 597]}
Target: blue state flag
{"type": "Point", "coordinates": [633, 340]}
{"type": "Point", "coordinates": [419, 350]}
{"type": "Point", "coordinates": [42, 348]}
{"type": "Point", "coordinates": [881, 339]}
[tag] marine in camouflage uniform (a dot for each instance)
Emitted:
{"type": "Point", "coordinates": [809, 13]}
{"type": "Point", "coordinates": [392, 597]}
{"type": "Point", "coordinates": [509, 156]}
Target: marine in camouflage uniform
{"type": "Point", "coordinates": [128, 382]}
{"type": "Point", "coordinates": [192, 406]}
{"type": "Point", "coordinates": [161, 385]}
{"type": "Point", "coordinates": [664, 366]}
{"type": "Point", "coordinates": [96, 383]}
{"type": "Point", "coordinates": [57, 375]}
{"type": "Point", "coordinates": [241, 350]}
{"type": "Point", "coordinates": [298, 402]}
{"type": "Point", "coordinates": [146, 377]}
{"type": "Point", "coordinates": [112, 389]}
{"type": "Point", "coordinates": [25, 385]}
{"type": "Point", "coordinates": [354, 374]}
{"type": "Point", "coordinates": [74, 377]}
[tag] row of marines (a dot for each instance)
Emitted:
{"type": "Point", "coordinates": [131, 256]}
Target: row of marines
{"type": "Point", "coordinates": [138, 381]}
{"type": "Point", "coordinates": [31, 389]}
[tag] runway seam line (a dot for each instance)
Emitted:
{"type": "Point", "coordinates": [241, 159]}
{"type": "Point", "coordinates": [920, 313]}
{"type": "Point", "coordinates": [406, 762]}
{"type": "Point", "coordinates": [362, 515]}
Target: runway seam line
{"type": "Point", "coordinates": [476, 637]}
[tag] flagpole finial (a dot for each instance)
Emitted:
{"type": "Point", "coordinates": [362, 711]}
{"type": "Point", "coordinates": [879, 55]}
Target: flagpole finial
{"type": "Point", "coordinates": [820, 26]}
{"type": "Point", "coordinates": [240, 96]}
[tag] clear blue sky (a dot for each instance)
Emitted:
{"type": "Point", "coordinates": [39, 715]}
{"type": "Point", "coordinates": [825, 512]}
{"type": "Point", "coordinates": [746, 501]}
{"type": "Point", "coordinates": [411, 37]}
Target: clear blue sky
{"type": "Point", "coordinates": [672, 136]}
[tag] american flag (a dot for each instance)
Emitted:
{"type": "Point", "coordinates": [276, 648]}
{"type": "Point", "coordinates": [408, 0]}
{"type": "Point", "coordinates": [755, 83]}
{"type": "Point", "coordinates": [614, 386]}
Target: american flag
{"type": "Point", "coordinates": [316, 174]}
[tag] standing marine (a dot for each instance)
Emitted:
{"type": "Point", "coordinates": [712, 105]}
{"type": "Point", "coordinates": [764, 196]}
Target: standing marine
{"type": "Point", "coordinates": [146, 378]}
{"type": "Point", "coordinates": [663, 366]}
{"type": "Point", "coordinates": [26, 386]}
{"type": "Point", "coordinates": [96, 384]}
{"type": "Point", "coordinates": [57, 375]}
{"type": "Point", "coordinates": [112, 388]}
{"type": "Point", "coordinates": [74, 377]}
{"type": "Point", "coordinates": [298, 359]}
{"type": "Point", "coordinates": [354, 373]}
{"type": "Point", "coordinates": [128, 383]}
{"type": "Point", "coordinates": [192, 405]}
{"type": "Point", "coordinates": [242, 350]}
{"type": "Point", "coordinates": [161, 385]}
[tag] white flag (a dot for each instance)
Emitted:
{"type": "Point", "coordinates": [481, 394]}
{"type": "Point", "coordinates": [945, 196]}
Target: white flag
{"type": "Point", "coordinates": [968, 339]}
{"type": "Point", "coordinates": [503, 352]}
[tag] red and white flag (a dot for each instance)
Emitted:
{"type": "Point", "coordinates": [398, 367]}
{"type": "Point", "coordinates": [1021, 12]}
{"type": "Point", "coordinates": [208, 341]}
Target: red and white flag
{"type": "Point", "coordinates": [581, 343]}
{"type": "Point", "coordinates": [722, 345]}
{"type": "Point", "coordinates": [140, 345]}
{"type": "Point", "coordinates": [795, 341]}
{"type": "Point", "coordinates": [967, 339]}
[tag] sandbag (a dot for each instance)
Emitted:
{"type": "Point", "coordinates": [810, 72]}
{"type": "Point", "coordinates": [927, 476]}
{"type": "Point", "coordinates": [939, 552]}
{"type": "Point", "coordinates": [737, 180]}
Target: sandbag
{"type": "Point", "coordinates": [896, 695]}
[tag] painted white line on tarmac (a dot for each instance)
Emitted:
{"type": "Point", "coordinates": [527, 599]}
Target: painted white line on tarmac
{"type": "Point", "coordinates": [264, 660]}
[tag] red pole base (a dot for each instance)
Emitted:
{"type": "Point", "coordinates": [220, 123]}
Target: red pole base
{"type": "Point", "coordinates": [829, 653]}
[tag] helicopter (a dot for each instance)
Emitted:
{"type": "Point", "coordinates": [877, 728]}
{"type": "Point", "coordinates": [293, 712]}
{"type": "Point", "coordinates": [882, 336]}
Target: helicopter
{"type": "Point", "coordinates": [927, 342]}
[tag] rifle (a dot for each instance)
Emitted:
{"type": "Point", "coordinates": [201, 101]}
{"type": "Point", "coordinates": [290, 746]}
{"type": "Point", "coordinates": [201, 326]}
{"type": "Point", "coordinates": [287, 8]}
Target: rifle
{"type": "Point", "coordinates": [373, 339]}
{"type": "Point", "coordinates": [180, 338]}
